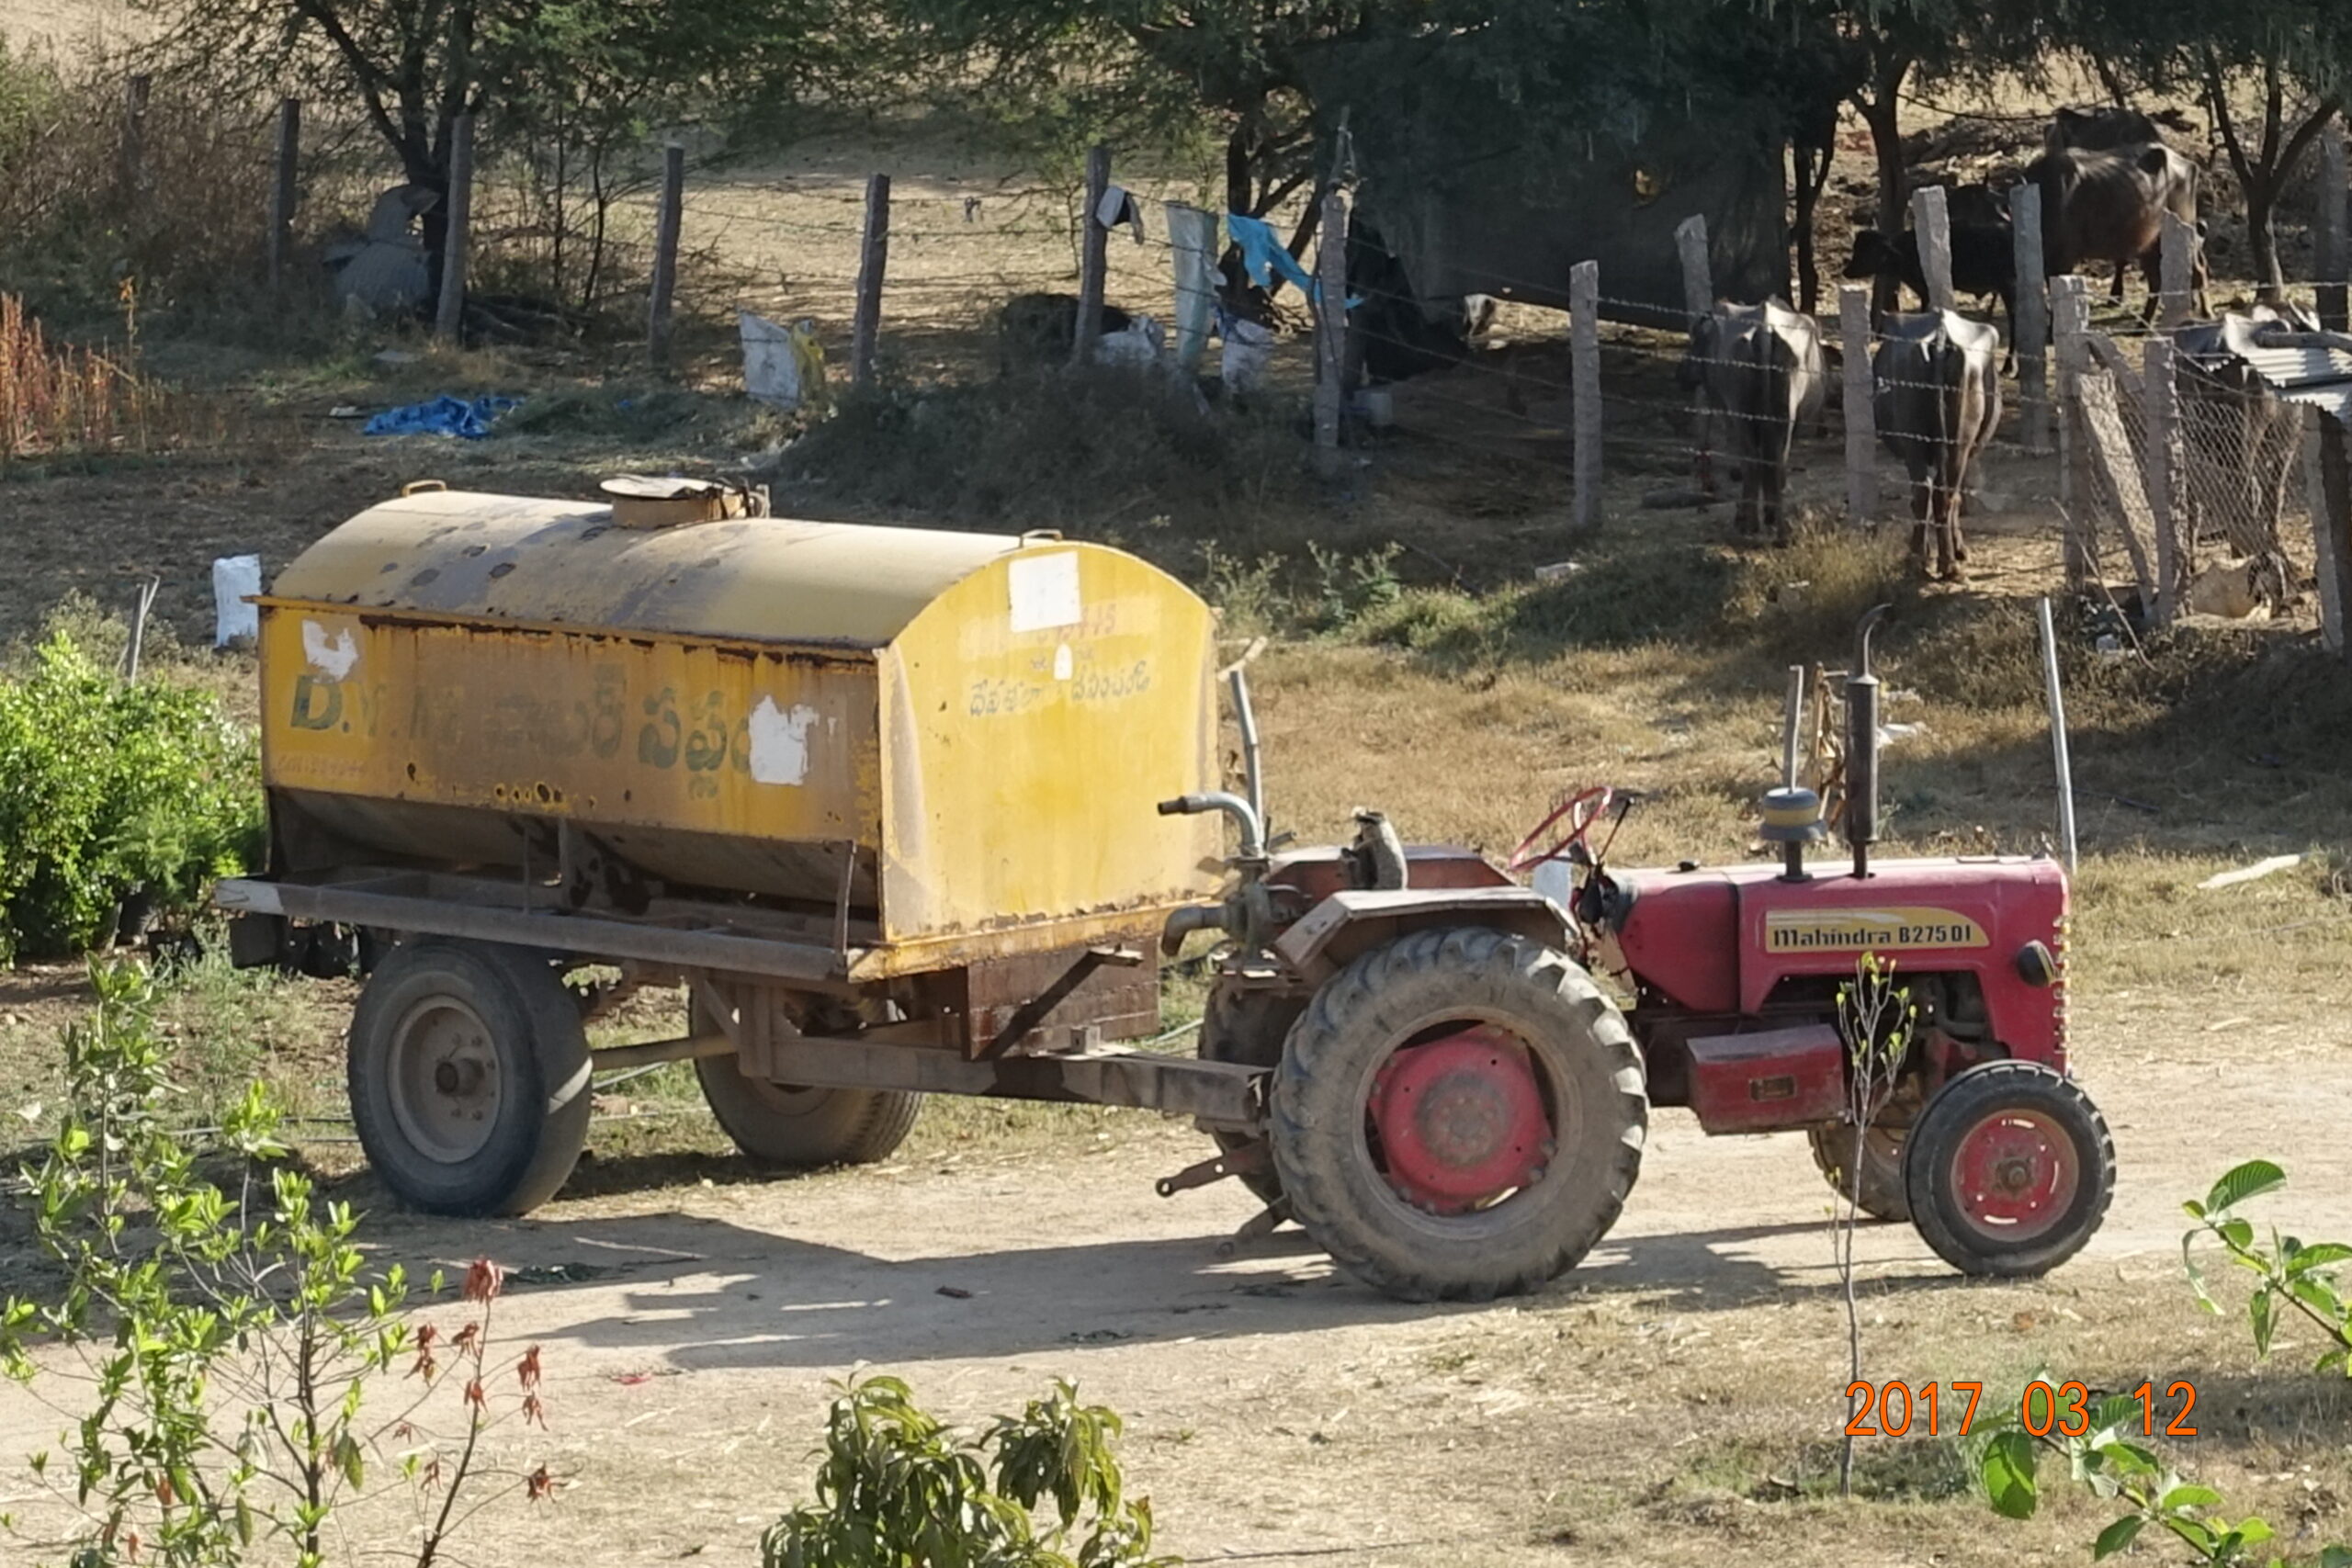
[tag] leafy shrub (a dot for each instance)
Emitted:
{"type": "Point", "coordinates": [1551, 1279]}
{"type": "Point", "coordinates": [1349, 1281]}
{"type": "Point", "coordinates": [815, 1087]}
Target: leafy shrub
{"type": "Point", "coordinates": [228, 1339]}
{"type": "Point", "coordinates": [898, 1487]}
{"type": "Point", "coordinates": [108, 788]}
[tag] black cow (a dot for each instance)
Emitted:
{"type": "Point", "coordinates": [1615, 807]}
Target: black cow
{"type": "Point", "coordinates": [1758, 372]}
{"type": "Point", "coordinates": [1938, 401]}
{"type": "Point", "coordinates": [1984, 263]}
{"type": "Point", "coordinates": [1035, 329]}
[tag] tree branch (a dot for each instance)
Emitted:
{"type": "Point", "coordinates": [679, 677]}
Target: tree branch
{"type": "Point", "coordinates": [2217, 98]}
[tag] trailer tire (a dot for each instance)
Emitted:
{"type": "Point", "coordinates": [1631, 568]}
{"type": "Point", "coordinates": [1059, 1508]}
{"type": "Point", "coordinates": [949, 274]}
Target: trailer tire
{"type": "Point", "coordinates": [1248, 1027]}
{"type": "Point", "coordinates": [2011, 1169]}
{"type": "Point", "coordinates": [791, 1128]}
{"type": "Point", "coordinates": [1880, 1192]}
{"type": "Point", "coordinates": [1560, 1039]}
{"type": "Point", "coordinates": [469, 1077]}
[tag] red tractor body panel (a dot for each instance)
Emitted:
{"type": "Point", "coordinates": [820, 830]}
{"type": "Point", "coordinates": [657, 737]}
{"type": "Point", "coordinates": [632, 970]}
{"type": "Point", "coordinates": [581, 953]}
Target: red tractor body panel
{"type": "Point", "coordinates": [1722, 940]}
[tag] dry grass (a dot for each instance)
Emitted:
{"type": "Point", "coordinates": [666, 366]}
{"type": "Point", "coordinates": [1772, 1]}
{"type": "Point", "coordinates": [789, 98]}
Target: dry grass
{"type": "Point", "coordinates": [60, 400]}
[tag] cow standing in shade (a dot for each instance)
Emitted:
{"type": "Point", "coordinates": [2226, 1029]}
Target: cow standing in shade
{"type": "Point", "coordinates": [2110, 205]}
{"type": "Point", "coordinates": [1758, 372]}
{"type": "Point", "coordinates": [1938, 401]}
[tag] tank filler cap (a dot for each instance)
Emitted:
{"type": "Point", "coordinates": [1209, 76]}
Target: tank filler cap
{"type": "Point", "coordinates": [1792, 816]}
{"type": "Point", "coordinates": [642, 501]}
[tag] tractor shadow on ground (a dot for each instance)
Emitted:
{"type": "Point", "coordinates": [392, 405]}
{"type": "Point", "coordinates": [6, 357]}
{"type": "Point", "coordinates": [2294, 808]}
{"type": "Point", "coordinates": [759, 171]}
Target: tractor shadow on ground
{"type": "Point", "coordinates": [699, 1294]}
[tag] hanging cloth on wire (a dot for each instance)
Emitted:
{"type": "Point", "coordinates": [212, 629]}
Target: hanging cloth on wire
{"type": "Point", "coordinates": [1263, 255]}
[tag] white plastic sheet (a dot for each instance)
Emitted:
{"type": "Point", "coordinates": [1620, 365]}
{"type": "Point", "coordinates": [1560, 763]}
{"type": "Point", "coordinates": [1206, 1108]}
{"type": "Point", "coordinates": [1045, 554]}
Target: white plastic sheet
{"type": "Point", "coordinates": [783, 367]}
{"type": "Point", "coordinates": [234, 579]}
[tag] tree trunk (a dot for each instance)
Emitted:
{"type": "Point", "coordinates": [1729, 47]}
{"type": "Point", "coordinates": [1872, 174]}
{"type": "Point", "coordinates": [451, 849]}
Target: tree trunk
{"type": "Point", "coordinates": [1879, 111]}
{"type": "Point", "coordinates": [1812, 176]}
{"type": "Point", "coordinates": [2262, 235]}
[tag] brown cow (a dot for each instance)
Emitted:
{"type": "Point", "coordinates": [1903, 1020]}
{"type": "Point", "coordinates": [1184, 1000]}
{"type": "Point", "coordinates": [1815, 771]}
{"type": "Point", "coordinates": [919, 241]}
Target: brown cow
{"type": "Point", "coordinates": [1939, 398]}
{"type": "Point", "coordinates": [1759, 373]}
{"type": "Point", "coordinates": [2111, 206]}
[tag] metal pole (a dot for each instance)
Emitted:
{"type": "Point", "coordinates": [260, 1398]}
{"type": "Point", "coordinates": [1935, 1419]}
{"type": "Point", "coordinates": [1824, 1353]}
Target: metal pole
{"type": "Point", "coordinates": [2058, 734]}
{"type": "Point", "coordinates": [1792, 724]}
{"type": "Point", "coordinates": [1247, 717]}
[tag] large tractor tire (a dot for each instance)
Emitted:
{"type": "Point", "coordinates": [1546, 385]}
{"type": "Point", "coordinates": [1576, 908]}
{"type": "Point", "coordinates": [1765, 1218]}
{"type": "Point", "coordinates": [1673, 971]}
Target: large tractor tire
{"type": "Point", "coordinates": [1877, 1189]}
{"type": "Point", "coordinates": [794, 1128]}
{"type": "Point", "coordinates": [1459, 1115]}
{"type": "Point", "coordinates": [469, 1077]}
{"type": "Point", "coordinates": [1248, 1027]}
{"type": "Point", "coordinates": [2010, 1170]}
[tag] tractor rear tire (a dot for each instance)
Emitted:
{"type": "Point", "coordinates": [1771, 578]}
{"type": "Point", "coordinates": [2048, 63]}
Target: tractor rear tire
{"type": "Point", "coordinates": [1249, 1027]}
{"type": "Point", "coordinates": [1424, 989]}
{"type": "Point", "coordinates": [1880, 1191]}
{"type": "Point", "coordinates": [468, 1078]}
{"type": "Point", "coordinates": [791, 1128]}
{"type": "Point", "coordinates": [2009, 1169]}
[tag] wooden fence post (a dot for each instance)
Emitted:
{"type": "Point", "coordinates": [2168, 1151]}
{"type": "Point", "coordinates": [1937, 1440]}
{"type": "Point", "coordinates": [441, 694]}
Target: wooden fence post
{"type": "Point", "coordinates": [136, 91]}
{"type": "Point", "coordinates": [2070, 306]}
{"type": "Point", "coordinates": [669, 218]}
{"type": "Point", "coordinates": [1931, 221]}
{"type": "Point", "coordinates": [457, 242]}
{"type": "Point", "coordinates": [873, 256]}
{"type": "Point", "coordinates": [2175, 272]}
{"type": "Point", "coordinates": [285, 191]}
{"type": "Point", "coordinates": [2334, 231]}
{"type": "Point", "coordinates": [2328, 477]}
{"type": "Point", "coordinates": [1584, 389]}
{"type": "Point", "coordinates": [1330, 331]}
{"type": "Point", "coordinates": [1862, 417]}
{"type": "Point", "coordinates": [2161, 422]}
{"type": "Point", "coordinates": [1698, 276]}
{"type": "Point", "coordinates": [1093, 257]}
{"type": "Point", "coordinates": [2031, 326]}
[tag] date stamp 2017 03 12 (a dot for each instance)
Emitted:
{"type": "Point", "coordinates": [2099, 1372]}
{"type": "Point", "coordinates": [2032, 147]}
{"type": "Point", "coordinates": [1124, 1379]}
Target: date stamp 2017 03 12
{"type": "Point", "coordinates": [1894, 1409]}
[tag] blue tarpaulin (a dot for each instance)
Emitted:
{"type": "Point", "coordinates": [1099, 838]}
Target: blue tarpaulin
{"type": "Point", "coordinates": [444, 415]}
{"type": "Point", "coordinates": [1263, 254]}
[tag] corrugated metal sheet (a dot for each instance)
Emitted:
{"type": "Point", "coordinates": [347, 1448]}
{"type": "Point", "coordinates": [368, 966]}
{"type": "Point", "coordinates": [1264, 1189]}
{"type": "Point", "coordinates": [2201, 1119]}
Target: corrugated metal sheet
{"type": "Point", "coordinates": [2309, 368]}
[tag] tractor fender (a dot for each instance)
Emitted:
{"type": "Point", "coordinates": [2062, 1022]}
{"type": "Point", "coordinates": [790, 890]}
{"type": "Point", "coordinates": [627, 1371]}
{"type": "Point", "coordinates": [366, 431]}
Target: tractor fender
{"type": "Point", "coordinates": [1328, 936]}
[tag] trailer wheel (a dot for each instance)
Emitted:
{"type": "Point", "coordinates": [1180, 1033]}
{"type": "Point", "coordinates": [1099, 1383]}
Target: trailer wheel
{"type": "Point", "coordinates": [2010, 1170]}
{"type": "Point", "coordinates": [1459, 1115]}
{"type": "Point", "coordinates": [1248, 1027]}
{"type": "Point", "coordinates": [1877, 1189]}
{"type": "Point", "coordinates": [469, 1077]}
{"type": "Point", "coordinates": [795, 1128]}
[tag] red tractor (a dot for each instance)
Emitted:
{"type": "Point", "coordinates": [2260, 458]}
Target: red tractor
{"type": "Point", "coordinates": [1462, 1066]}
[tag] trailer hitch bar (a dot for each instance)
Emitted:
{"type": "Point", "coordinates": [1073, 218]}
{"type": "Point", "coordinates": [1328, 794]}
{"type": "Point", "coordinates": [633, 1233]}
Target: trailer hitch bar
{"type": "Point", "coordinates": [1249, 1160]}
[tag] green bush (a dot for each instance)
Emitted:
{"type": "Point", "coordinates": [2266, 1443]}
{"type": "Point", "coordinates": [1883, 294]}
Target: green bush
{"type": "Point", "coordinates": [110, 788]}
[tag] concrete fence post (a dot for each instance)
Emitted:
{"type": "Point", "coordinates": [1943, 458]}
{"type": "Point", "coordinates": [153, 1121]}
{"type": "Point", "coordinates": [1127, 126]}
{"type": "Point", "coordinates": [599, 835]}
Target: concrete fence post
{"type": "Point", "coordinates": [1584, 388]}
{"type": "Point", "coordinates": [1931, 222]}
{"type": "Point", "coordinates": [2070, 306]}
{"type": "Point", "coordinates": [1860, 385]}
{"type": "Point", "coordinates": [2031, 325]}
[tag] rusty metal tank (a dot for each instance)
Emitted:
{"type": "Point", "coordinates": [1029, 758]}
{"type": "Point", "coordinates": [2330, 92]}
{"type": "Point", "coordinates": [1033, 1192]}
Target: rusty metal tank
{"type": "Point", "coordinates": [960, 737]}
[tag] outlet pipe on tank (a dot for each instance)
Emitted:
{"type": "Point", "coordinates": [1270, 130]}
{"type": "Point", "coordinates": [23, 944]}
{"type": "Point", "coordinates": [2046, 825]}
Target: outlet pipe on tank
{"type": "Point", "coordinates": [1247, 717]}
{"type": "Point", "coordinates": [1862, 745]}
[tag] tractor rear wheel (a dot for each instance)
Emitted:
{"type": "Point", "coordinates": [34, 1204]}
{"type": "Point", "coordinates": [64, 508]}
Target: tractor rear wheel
{"type": "Point", "coordinates": [1248, 1026]}
{"type": "Point", "coordinates": [2009, 1169]}
{"type": "Point", "coordinates": [796, 1128]}
{"type": "Point", "coordinates": [1458, 1115]}
{"type": "Point", "coordinates": [1877, 1188]}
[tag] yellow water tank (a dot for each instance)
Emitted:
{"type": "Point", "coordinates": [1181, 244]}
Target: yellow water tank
{"type": "Point", "coordinates": [964, 733]}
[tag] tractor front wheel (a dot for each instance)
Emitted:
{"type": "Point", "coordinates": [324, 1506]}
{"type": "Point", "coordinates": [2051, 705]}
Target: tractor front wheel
{"type": "Point", "coordinates": [2009, 1169]}
{"type": "Point", "coordinates": [1876, 1187]}
{"type": "Point", "coordinates": [1458, 1115]}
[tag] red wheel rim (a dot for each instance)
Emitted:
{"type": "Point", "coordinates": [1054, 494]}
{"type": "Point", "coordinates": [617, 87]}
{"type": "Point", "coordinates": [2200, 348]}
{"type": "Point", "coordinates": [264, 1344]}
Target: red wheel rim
{"type": "Point", "coordinates": [2015, 1174]}
{"type": "Point", "coordinates": [1459, 1121]}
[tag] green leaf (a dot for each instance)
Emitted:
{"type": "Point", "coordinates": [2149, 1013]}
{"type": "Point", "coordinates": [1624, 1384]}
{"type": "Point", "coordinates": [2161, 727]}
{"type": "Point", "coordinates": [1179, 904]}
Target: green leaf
{"type": "Point", "coordinates": [2006, 1470]}
{"type": "Point", "coordinates": [2319, 1257]}
{"type": "Point", "coordinates": [2336, 1557]}
{"type": "Point", "coordinates": [2251, 1180]}
{"type": "Point", "coordinates": [2117, 1536]}
{"type": "Point", "coordinates": [2259, 1309]}
{"type": "Point", "coordinates": [2252, 1531]}
{"type": "Point", "coordinates": [2239, 1233]}
{"type": "Point", "coordinates": [2188, 1496]}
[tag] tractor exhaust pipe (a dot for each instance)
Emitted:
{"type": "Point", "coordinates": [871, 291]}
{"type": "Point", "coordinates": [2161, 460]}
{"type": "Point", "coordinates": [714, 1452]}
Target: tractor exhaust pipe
{"type": "Point", "coordinates": [1862, 745]}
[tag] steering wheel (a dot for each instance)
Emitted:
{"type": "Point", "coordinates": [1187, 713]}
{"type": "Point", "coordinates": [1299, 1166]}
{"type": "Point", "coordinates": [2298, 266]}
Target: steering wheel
{"type": "Point", "coordinates": [1579, 812]}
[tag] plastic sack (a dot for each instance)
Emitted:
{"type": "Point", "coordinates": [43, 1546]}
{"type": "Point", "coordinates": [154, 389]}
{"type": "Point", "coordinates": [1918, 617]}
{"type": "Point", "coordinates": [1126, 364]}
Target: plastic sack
{"type": "Point", "coordinates": [234, 622]}
{"type": "Point", "coordinates": [1140, 342]}
{"type": "Point", "coordinates": [1247, 347]}
{"type": "Point", "coordinates": [783, 367]}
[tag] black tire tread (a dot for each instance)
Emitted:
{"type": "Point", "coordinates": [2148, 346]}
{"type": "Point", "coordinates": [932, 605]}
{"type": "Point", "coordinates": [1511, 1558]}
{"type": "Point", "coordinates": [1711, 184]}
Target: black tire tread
{"type": "Point", "coordinates": [1881, 1193]}
{"type": "Point", "coordinates": [1342, 1012]}
{"type": "Point", "coordinates": [1248, 1027]}
{"type": "Point", "coordinates": [1962, 1099]}
{"type": "Point", "coordinates": [853, 1126]}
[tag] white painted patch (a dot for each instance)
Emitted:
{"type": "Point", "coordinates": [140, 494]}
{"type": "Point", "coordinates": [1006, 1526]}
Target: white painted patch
{"type": "Point", "coordinates": [331, 656]}
{"type": "Point", "coordinates": [1045, 591]}
{"type": "Point", "coordinates": [780, 742]}
{"type": "Point", "coordinates": [1063, 662]}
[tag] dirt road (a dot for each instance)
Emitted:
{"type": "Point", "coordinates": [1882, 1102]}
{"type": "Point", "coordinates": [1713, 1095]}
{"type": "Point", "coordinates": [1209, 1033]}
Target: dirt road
{"type": "Point", "coordinates": [1276, 1410]}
